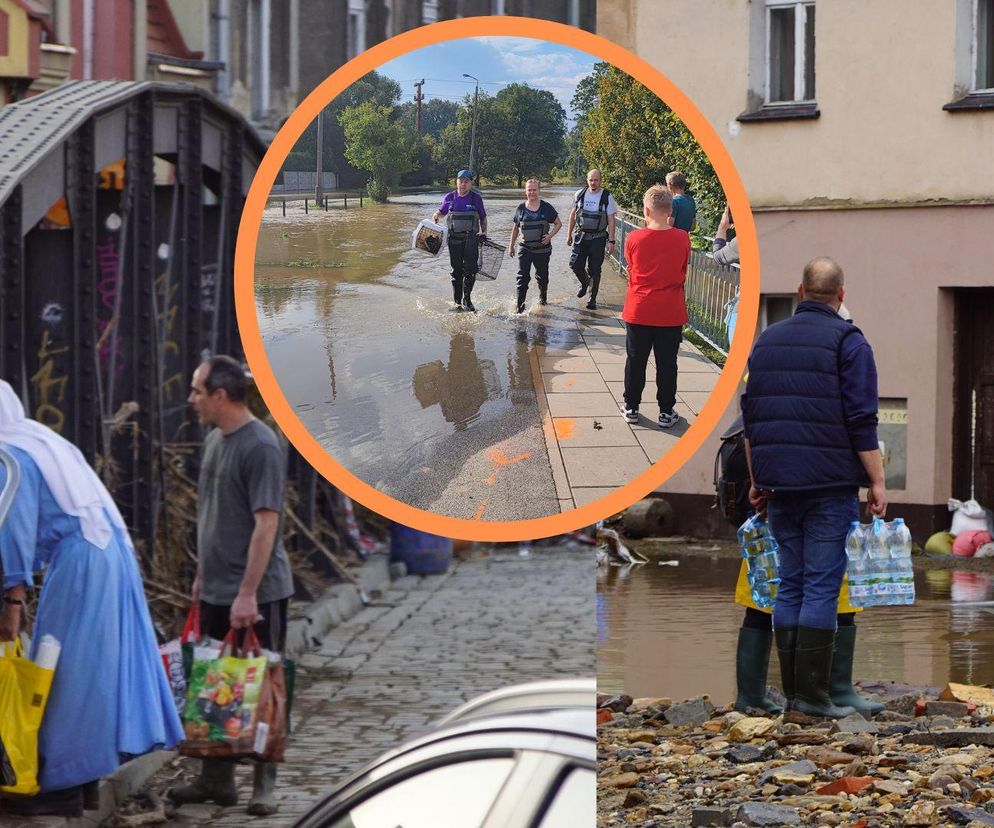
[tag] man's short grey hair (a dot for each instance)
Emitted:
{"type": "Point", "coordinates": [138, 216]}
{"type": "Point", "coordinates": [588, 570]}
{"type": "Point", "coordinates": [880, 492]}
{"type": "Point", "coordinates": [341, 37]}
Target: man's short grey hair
{"type": "Point", "coordinates": [227, 373]}
{"type": "Point", "coordinates": [534, 181]}
{"type": "Point", "coordinates": [823, 279]}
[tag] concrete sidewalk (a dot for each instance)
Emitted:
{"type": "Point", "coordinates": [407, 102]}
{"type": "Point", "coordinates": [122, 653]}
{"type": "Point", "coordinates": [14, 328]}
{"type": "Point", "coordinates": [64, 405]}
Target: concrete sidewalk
{"type": "Point", "coordinates": [579, 383]}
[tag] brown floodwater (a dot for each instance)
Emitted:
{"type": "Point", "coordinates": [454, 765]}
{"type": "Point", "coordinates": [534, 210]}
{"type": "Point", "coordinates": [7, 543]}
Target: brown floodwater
{"type": "Point", "coordinates": [672, 631]}
{"type": "Point", "coordinates": [404, 391]}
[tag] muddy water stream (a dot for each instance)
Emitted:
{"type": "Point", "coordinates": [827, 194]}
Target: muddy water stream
{"type": "Point", "coordinates": [672, 631]}
{"type": "Point", "coordinates": [421, 401]}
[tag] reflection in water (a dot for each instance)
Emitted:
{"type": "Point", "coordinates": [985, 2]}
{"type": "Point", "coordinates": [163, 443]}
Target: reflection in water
{"type": "Point", "coordinates": [404, 392]}
{"type": "Point", "coordinates": [460, 388]}
{"type": "Point", "coordinates": [672, 631]}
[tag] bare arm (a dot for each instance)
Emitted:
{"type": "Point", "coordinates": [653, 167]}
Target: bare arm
{"type": "Point", "coordinates": [876, 495]}
{"type": "Point", "coordinates": [245, 608]}
{"type": "Point", "coordinates": [514, 238]}
{"type": "Point", "coordinates": [556, 227]}
{"type": "Point", "coordinates": [483, 225]}
{"type": "Point", "coordinates": [571, 222]}
{"type": "Point", "coordinates": [610, 231]}
{"type": "Point", "coordinates": [10, 617]}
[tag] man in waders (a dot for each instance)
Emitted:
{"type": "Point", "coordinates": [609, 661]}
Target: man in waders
{"type": "Point", "coordinates": [467, 221]}
{"type": "Point", "coordinates": [590, 232]}
{"type": "Point", "coordinates": [538, 222]}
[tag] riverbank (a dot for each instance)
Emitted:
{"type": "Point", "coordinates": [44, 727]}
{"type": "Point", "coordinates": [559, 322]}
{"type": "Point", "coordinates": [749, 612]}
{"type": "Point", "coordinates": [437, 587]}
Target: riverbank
{"type": "Point", "coordinates": [667, 764]}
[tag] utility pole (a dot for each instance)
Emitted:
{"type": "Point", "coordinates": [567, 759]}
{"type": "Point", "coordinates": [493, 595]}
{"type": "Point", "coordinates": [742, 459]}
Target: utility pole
{"type": "Point", "coordinates": [418, 97]}
{"type": "Point", "coordinates": [472, 135]}
{"type": "Point", "coordinates": [318, 189]}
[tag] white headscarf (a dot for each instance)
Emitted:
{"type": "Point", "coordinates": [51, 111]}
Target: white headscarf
{"type": "Point", "coordinates": [74, 485]}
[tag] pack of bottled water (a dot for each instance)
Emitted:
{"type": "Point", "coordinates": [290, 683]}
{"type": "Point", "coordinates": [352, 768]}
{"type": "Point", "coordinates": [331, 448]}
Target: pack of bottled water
{"type": "Point", "coordinates": [760, 550]}
{"type": "Point", "coordinates": [879, 564]}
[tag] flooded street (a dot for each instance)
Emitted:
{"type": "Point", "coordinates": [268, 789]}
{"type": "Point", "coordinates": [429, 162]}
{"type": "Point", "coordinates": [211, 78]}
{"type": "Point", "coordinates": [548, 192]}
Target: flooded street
{"type": "Point", "coordinates": [672, 631]}
{"type": "Point", "coordinates": [427, 404]}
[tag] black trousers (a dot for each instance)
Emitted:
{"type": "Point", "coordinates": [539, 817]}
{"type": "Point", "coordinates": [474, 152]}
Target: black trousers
{"type": "Point", "coordinates": [464, 259]}
{"type": "Point", "coordinates": [527, 258]}
{"type": "Point", "coordinates": [215, 621]}
{"type": "Point", "coordinates": [587, 259]}
{"type": "Point", "coordinates": [664, 343]}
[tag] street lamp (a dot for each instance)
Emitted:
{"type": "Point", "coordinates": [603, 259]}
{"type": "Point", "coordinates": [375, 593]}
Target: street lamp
{"type": "Point", "coordinates": [472, 135]}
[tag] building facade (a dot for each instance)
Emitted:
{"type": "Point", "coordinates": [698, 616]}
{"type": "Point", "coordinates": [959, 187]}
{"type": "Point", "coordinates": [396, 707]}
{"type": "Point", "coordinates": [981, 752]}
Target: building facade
{"type": "Point", "coordinates": [864, 132]}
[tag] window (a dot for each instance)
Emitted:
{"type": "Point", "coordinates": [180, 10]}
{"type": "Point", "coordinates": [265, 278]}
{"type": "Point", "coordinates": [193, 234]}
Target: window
{"type": "Point", "coordinates": [790, 52]}
{"type": "Point", "coordinates": [429, 11]}
{"type": "Point", "coordinates": [983, 46]}
{"type": "Point", "coordinates": [774, 308]}
{"type": "Point", "coordinates": [575, 801]}
{"type": "Point", "coordinates": [356, 32]}
{"type": "Point", "coordinates": [457, 795]}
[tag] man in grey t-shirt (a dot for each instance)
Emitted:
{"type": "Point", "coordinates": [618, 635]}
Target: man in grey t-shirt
{"type": "Point", "coordinates": [243, 573]}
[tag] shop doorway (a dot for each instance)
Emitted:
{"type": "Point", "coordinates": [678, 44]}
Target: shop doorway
{"type": "Point", "coordinates": [973, 390]}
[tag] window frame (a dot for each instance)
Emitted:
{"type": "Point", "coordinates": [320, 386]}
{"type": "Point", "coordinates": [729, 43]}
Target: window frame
{"type": "Point", "coordinates": [800, 51]}
{"type": "Point", "coordinates": [975, 88]}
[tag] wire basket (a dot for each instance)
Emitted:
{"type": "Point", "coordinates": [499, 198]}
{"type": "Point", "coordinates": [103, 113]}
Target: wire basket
{"type": "Point", "coordinates": [491, 257]}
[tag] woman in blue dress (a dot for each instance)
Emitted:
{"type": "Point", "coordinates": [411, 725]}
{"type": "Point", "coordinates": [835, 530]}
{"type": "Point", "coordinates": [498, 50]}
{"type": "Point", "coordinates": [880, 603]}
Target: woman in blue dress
{"type": "Point", "coordinates": [110, 698]}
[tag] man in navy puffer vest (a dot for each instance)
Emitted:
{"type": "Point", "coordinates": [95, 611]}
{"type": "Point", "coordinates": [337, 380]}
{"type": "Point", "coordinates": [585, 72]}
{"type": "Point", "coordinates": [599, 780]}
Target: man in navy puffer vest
{"type": "Point", "coordinates": [810, 416]}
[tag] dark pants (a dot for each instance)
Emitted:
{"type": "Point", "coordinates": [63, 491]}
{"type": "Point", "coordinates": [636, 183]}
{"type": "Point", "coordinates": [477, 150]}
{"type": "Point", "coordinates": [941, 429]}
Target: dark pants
{"type": "Point", "coordinates": [810, 528]}
{"type": "Point", "coordinates": [464, 258]}
{"type": "Point", "coordinates": [527, 258]}
{"type": "Point", "coordinates": [215, 621]}
{"type": "Point", "coordinates": [758, 620]}
{"type": "Point", "coordinates": [665, 344]}
{"type": "Point", "coordinates": [586, 261]}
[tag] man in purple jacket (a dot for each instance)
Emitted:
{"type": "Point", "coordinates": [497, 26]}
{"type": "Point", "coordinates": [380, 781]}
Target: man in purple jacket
{"type": "Point", "coordinates": [810, 417]}
{"type": "Point", "coordinates": [467, 222]}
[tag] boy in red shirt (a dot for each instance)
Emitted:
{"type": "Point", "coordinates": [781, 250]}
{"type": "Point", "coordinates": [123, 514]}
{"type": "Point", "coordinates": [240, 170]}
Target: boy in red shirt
{"type": "Point", "coordinates": [655, 311]}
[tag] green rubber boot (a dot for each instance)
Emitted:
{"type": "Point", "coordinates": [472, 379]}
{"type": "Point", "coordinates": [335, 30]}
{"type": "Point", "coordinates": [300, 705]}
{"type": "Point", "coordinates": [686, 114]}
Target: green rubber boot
{"type": "Point", "coordinates": [752, 663]}
{"type": "Point", "coordinates": [840, 688]}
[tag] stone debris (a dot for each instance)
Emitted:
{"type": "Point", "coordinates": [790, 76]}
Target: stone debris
{"type": "Point", "coordinates": [692, 764]}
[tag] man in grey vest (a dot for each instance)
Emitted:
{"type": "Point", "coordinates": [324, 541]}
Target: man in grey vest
{"type": "Point", "coordinates": [810, 418]}
{"type": "Point", "coordinates": [467, 221]}
{"type": "Point", "coordinates": [590, 233]}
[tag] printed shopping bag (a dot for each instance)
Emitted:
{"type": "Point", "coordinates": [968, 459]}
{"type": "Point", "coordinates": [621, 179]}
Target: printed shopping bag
{"type": "Point", "coordinates": [24, 689]}
{"type": "Point", "coordinates": [236, 703]}
{"type": "Point", "coordinates": [177, 656]}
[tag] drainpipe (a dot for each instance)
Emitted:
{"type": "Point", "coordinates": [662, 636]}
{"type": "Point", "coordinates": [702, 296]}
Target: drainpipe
{"type": "Point", "coordinates": [140, 29]}
{"type": "Point", "coordinates": [223, 53]}
{"type": "Point", "coordinates": [264, 41]}
{"type": "Point", "coordinates": [88, 39]}
{"type": "Point", "coordinates": [294, 50]}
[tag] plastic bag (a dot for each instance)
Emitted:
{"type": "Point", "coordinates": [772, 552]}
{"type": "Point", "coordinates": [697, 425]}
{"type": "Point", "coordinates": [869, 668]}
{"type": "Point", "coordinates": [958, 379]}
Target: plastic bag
{"type": "Point", "coordinates": [24, 689]}
{"type": "Point", "coordinates": [236, 703]}
{"type": "Point", "coordinates": [966, 516]}
{"type": "Point", "coordinates": [177, 657]}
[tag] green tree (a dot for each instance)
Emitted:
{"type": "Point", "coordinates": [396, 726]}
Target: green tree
{"type": "Point", "coordinates": [436, 115]}
{"type": "Point", "coordinates": [634, 138]}
{"type": "Point", "coordinates": [533, 127]}
{"type": "Point", "coordinates": [373, 87]}
{"type": "Point", "coordinates": [377, 143]}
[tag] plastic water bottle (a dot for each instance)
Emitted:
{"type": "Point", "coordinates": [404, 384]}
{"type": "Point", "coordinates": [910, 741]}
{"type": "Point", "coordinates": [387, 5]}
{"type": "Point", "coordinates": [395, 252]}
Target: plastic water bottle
{"type": "Point", "coordinates": [878, 568]}
{"type": "Point", "coordinates": [856, 569]}
{"type": "Point", "coordinates": [901, 566]}
{"type": "Point", "coordinates": [760, 550]}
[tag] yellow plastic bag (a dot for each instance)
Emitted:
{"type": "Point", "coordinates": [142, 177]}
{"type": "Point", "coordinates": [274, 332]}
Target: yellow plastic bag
{"type": "Point", "coordinates": [24, 689]}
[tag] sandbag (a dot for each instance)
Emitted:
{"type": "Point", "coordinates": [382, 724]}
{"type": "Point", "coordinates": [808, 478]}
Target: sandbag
{"type": "Point", "coordinates": [966, 516]}
{"type": "Point", "coordinates": [941, 543]}
{"type": "Point", "coordinates": [967, 543]}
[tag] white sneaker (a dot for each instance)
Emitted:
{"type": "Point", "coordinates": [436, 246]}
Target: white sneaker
{"type": "Point", "coordinates": [668, 419]}
{"type": "Point", "coordinates": [631, 415]}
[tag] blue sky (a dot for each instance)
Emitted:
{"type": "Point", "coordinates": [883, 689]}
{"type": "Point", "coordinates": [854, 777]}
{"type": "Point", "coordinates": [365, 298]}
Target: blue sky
{"type": "Point", "coordinates": [496, 61]}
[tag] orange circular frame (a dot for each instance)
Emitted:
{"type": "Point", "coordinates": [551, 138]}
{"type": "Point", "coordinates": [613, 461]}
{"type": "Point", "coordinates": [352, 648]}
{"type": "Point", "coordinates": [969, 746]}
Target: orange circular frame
{"type": "Point", "coordinates": [248, 322]}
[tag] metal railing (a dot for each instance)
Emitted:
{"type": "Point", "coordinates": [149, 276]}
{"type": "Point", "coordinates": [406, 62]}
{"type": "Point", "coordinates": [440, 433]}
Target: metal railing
{"type": "Point", "coordinates": [711, 290]}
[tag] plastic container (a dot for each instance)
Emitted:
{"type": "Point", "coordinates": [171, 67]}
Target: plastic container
{"type": "Point", "coordinates": [429, 237]}
{"type": "Point", "coordinates": [423, 554]}
{"type": "Point", "coordinates": [760, 550]}
{"type": "Point", "coordinates": [902, 569]}
{"type": "Point", "coordinates": [856, 567]}
{"type": "Point", "coordinates": [878, 564]}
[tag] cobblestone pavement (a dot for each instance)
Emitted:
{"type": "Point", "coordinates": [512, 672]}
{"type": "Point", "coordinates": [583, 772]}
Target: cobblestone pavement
{"type": "Point", "coordinates": [420, 649]}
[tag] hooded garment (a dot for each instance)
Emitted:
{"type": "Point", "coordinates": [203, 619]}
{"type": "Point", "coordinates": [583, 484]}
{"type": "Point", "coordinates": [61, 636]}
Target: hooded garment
{"type": "Point", "coordinates": [73, 483]}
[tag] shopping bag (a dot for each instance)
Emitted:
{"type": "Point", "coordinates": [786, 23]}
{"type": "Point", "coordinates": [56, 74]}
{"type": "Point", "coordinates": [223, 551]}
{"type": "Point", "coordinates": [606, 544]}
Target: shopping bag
{"type": "Point", "coordinates": [177, 657]}
{"type": "Point", "coordinates": [24, 689]}
{"type": "Point", "coordinates": [236, 703]}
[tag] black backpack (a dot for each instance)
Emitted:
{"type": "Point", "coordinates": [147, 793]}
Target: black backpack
{"type": "Point", "coordinates": [731, 476]}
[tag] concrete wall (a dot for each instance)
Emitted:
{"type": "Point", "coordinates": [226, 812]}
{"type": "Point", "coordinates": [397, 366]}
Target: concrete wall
{"type": "Point", "coordinates": [899, 191]}
{"type": "Point", "coordinates": [883, 72]}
